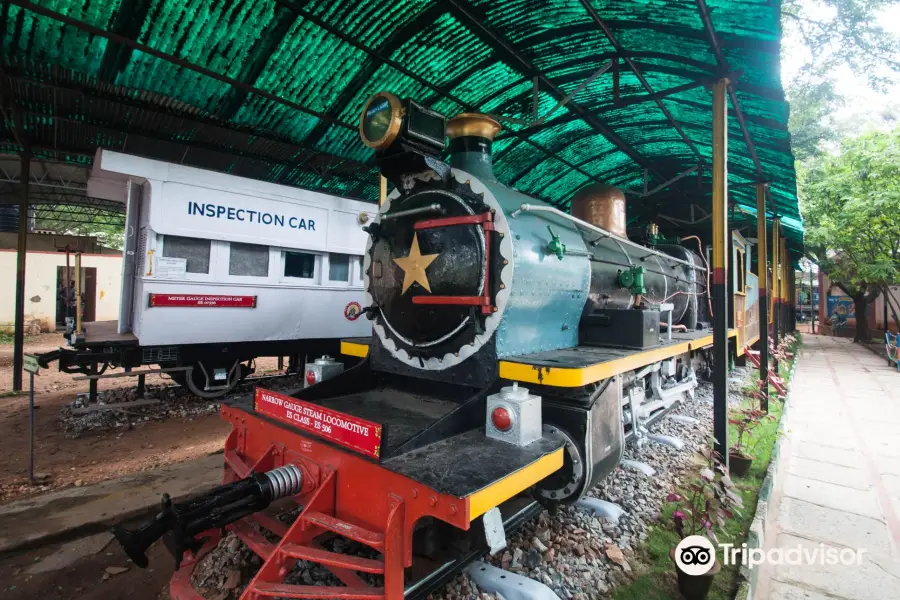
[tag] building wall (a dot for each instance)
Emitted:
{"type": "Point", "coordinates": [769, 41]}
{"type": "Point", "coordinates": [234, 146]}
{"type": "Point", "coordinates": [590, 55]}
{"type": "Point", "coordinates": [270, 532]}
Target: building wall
{"type": "Point", "coordinates": [41, 290]}
{"type": "Point", "coordinates": [879, 309]}
{"type": "Point", "coordinates": [835, 296]}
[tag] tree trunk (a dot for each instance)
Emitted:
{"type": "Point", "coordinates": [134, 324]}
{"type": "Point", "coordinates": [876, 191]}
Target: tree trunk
{"type": "Point", "coordinates": [861, 308]}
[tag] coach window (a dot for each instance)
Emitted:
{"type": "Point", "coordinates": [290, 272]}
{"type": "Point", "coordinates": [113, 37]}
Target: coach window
{"type": "Point", "coordinates": [362, 268]}
{"type": "Point", "coordinates": [339, 267]}
{"type": "Point", "coordinates": [249, 260]}
{"type": "Point", "coordinates": [739, 271]}
{"type": "Point", "coordinates": [299, 264]}
{"type": "Point", "coordinates": [195, 251]}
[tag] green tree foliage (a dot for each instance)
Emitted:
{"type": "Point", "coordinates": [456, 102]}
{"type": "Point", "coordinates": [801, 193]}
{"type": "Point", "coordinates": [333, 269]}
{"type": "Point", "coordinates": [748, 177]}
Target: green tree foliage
{"type": "Point", "coordinates": [835, 33]}
{"type": "Point", "coordinates": [108, 229]}
{"type": "Point", "coordinates": [851, 208]}
{"type": "Point", "coordinates": [844, 31]}
{"type": "Point", "coordinates": [811, 125]}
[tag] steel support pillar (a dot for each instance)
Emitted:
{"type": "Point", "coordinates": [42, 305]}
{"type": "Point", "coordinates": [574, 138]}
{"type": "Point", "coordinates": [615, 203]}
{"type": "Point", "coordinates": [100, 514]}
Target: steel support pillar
{"type": "Point", "coordinates": [776, 285]}
{"type": "Point", "coordinates": [720, 275]}
{"type": "Point", "coordinates": [21, 249]}
{"type": "Point", "coordinates": [763, 272]}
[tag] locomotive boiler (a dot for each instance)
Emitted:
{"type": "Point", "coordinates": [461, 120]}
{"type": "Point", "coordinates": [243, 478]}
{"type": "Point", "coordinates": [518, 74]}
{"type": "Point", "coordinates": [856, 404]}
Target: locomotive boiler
{"type": "Point", "coordinates": [463, 272]}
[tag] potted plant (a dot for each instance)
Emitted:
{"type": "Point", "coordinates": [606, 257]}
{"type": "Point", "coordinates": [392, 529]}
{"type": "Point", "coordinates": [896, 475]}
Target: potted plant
{"type": "Point", "coordinates": [703, 504]}
{"type": "Point", "coordinates": [740, 456]}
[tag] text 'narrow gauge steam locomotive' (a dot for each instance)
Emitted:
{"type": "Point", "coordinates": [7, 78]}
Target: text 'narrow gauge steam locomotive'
{"type": "Point", "coordinates": [432, 443]}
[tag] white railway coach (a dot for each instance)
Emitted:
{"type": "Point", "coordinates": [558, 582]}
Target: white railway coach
{"type": "Point", "coordinates": [219, 270]}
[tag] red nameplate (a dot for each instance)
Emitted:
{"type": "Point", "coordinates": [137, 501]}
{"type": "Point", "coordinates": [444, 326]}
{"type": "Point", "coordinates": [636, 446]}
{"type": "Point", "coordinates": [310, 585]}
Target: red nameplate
{"type": "Point", "coordinates": [340, 428]}
{"type": "Point", "coordinates": [202, 300]}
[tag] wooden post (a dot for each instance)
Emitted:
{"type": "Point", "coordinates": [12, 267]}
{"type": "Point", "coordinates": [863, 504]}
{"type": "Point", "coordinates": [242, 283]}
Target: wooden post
{"type": "Point", "coordinates": [763, 272]}
{"type": "Point", "coordinates": [720, 270]}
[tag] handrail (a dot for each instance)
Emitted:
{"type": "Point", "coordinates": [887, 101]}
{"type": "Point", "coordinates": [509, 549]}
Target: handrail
{"type": "Point", "coordinates": [579, 223]}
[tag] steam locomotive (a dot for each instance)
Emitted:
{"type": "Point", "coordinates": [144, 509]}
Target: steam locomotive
{"type": "Point", "coordinates": [463, 272]}
{"type": "Point", "coordinates": [516, 349]}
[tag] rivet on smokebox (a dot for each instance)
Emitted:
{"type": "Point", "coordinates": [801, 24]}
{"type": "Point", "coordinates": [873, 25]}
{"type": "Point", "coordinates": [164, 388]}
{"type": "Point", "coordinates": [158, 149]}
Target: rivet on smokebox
{"type": "Point", "coordinates": [432, 501]}
{"type": "Point", "coordinates": [363, 218]}
{"type": "Point", "coordinates": [453, 509]}
{"type": "Point", "coordinates": [415, 493]}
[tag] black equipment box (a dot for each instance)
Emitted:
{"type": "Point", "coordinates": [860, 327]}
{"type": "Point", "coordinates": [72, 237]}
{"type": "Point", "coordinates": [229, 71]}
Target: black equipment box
{"type": "Point", "coordinates": [621, 328]}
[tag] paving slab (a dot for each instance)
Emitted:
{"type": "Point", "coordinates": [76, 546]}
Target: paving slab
{"type": "Point", "coordinates": [829, 473]}
{"type": "Point", "coordinates": [822, 524]}
{"type": "Point", "coordinates": [78, 510]}
{"type": "Point", "coordinates": [787, 591]}
{"type": "Point", "coordinates": [860, 502]}
{"type": "Point", "coordinates": [865, 581]}
{"type": "Point", "coordinates": [829, 454]}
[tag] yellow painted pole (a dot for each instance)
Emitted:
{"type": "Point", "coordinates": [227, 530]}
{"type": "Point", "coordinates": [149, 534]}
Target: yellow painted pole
{"type": "Point", "coordinates": [720, 269]}
{"type": "Point", "coordinates": [786, 287]}
{"type": "Point", "coordinates": [382, 195]}
{"type": "Point", "coordinates": [763, 272]}
{"type": "Point", "coordinates": [774, 300]}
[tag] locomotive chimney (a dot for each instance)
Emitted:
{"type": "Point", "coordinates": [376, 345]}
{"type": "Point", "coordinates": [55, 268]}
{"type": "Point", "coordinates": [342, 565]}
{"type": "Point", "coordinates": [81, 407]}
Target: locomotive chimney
{"type": "Point", "coordinates": [603, 206]}
{"type": "Point", "coordinates": [471, 137]}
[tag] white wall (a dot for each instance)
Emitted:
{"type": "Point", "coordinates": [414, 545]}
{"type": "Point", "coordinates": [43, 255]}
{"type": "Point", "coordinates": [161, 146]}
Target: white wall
{"type": "Point", "coordinates": [41, 290]}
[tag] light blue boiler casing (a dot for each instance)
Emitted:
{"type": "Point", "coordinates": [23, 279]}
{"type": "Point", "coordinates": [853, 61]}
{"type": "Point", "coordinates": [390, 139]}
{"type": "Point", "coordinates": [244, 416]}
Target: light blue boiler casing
{"type": "Point", "coordinates": [547, 295]}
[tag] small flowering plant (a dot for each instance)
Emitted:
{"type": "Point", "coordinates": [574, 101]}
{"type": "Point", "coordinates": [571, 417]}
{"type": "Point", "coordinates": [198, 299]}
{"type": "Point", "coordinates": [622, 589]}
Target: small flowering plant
{"type": "Point", "coordinates": [705, 502]}
{"type": "Point", "coordinates": [745, 421]}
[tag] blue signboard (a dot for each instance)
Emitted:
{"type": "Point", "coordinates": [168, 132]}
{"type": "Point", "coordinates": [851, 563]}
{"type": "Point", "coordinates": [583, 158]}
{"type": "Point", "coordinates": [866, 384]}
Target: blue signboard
{"type": "Point", "coordinates": [841, 306]}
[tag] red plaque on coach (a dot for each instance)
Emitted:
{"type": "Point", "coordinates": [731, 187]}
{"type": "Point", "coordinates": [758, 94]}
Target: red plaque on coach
{"type": "Point", "coordinates": [340, 428]}
{"type": "Point", "coordinates": [202, 300]}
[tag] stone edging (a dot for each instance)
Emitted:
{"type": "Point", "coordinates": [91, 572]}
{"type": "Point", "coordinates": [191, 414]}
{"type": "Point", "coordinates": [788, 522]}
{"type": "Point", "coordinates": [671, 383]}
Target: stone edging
{"type": "Point", "coordinates": [756, 536]}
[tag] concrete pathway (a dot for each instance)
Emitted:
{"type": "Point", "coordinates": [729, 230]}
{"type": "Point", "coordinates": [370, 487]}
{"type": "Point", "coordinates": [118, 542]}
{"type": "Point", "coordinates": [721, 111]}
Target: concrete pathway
{"type": "Point", "coordinates": [838, 482]}
{"type": "Point", "coordinates": [92, 508]}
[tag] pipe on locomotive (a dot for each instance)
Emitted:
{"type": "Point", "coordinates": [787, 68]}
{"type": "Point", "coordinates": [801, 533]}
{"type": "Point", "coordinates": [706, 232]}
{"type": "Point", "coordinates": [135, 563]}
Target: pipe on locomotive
{"type": "Point", "coordinates": [549, 209]}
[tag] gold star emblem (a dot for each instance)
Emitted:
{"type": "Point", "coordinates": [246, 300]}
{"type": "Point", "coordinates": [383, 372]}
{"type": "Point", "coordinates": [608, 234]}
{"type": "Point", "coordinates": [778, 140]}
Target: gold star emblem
{"type": "Point", "coordinates": [414, 266]}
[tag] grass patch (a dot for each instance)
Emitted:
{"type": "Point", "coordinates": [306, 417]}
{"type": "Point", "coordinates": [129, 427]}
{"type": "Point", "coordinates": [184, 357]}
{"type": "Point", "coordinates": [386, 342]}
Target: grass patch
{"type": "Point", "coordinates": [656, 579]}
{"type": "Point", "coordinates": [6, 337]}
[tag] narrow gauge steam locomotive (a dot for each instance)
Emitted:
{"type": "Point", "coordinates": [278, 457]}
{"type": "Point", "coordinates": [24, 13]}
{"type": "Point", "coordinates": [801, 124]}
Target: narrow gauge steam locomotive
{"type": "Point", "coordinates": [429, 447]}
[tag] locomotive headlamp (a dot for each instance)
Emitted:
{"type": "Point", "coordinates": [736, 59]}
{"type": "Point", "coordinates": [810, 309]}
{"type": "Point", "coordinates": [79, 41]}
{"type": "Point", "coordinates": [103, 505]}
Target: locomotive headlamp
{"type": "Point", "coordinates": [386, 119]}
{"type": "Point", "coordinates": [381, 120]}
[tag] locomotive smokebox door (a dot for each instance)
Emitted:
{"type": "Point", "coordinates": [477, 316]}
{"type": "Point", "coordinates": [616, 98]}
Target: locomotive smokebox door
{"type": "Point", "coordinates": [514, 416]}
{"type": "Point", "coordinates": [323, 368]}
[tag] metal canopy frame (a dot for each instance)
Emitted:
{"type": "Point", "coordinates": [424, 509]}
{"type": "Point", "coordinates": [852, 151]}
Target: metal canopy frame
{"type": "Point", "coordinates": [183, 140]}
{"type": "Point", "coordinates": [56, 112]}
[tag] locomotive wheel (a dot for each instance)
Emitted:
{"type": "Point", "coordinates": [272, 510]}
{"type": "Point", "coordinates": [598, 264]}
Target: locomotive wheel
{"type": "Point", "coordinates": [564, 486]}
{"type": "Point", "coordinates": [201, 376]}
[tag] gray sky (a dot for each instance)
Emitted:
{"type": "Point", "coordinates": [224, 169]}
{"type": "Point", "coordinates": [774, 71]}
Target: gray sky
{"type": "Point", "coordinates": [864, 107]}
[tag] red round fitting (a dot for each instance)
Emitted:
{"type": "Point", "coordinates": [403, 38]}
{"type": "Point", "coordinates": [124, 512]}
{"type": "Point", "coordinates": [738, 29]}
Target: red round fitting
{"type": "Point", "coordinates": [501, 419]}
{"type": "Point", "coordinates": [311, 377]}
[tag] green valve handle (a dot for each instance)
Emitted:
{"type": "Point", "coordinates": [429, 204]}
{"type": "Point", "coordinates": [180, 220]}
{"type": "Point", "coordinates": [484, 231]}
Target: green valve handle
{"type": "Point", "coordinates": [555, 246]}
{"type": "Point", "coordinates": [633, 280]}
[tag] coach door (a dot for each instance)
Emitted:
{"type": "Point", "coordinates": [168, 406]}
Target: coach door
{"type": "Point", "coordinates": [130, 255]}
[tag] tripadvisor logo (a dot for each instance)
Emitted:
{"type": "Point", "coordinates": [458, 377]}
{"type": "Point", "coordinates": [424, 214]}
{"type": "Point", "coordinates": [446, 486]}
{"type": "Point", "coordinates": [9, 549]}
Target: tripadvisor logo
{"type": "Point", "coordinates": [696, 555]}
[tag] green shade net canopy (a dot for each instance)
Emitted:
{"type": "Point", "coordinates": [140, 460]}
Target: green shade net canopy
{"type": "Point", "coordinates": [614, 91]}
